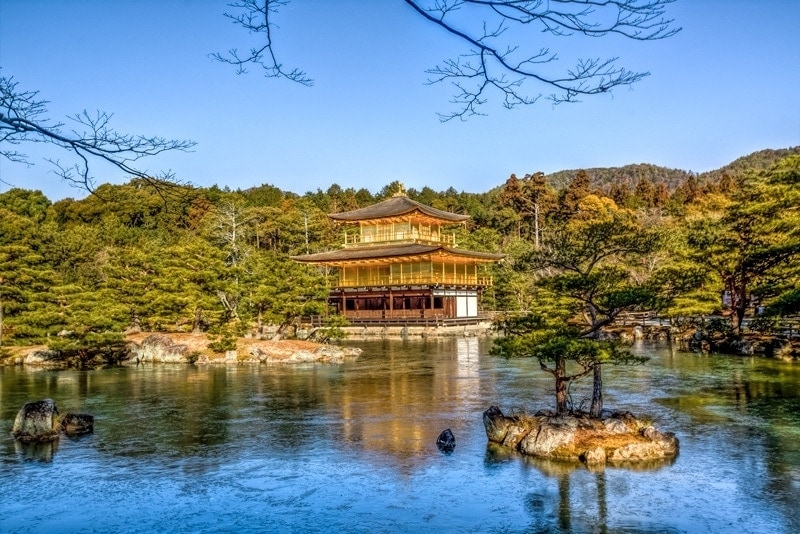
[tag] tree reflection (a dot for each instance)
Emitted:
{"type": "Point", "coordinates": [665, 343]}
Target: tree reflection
{"type": "Point", "coordinates": [553, 505]}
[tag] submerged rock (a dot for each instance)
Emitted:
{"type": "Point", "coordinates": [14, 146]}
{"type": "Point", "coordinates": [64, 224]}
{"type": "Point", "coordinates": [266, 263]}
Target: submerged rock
{"type": "Point", "coordinates": [37, 421]}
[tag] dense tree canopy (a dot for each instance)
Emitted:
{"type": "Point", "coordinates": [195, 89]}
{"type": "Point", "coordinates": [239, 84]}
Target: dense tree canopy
{"type": "Point", "coordinates": [76, 274]}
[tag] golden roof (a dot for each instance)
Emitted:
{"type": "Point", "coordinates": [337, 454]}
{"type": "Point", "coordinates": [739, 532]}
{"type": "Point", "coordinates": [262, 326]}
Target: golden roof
{"type": "Point", "coordinates": [394, 253]}
{"type": "Point", "coordinates": [397, 206]}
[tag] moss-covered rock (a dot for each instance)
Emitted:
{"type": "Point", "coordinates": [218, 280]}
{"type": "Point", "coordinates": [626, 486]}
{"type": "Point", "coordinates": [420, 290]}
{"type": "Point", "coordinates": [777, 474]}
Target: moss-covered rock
{"type": "Point", "coordinates": [37, 421]}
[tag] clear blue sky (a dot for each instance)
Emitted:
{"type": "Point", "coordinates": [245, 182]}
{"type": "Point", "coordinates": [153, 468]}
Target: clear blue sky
{"type": "Point", "coordinates": [727, 85]}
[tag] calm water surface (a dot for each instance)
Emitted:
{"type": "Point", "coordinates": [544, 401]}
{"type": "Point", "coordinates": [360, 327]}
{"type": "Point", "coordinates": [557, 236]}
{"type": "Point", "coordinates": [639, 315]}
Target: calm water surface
{"type": "Point", "coordinates": [351, 448]}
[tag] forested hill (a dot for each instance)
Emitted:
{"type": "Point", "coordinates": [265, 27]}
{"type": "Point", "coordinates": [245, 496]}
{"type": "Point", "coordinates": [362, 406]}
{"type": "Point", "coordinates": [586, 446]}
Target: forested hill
{"type": "Point", "coordinates": [629, 175]}
{"type": "Point", "coordinates": [761, 160]}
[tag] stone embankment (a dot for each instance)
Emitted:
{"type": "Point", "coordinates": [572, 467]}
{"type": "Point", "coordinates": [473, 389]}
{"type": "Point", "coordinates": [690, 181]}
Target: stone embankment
{"type": "Point", "coordinates": [144, 348]}
{"type": "Point", "coordinates": [698, 339]}
{"type": "Point", "coordinates": [193, 348]}
{"type": "Point", "coordinates": [616, 438]}
{"type": "Point", "coordinates": [417, 331]}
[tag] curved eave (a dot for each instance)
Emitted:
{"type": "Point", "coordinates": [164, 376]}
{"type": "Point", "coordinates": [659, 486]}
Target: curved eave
{"type": "Point", "coordinates": [397, 254]}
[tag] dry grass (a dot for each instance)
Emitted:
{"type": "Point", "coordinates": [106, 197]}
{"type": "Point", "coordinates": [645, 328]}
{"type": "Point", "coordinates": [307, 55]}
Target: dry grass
{"type": "Point", "coordinates": [590, 439]}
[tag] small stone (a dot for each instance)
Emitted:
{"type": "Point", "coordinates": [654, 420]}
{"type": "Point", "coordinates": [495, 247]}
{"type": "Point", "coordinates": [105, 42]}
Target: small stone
{"type": "Point", "coordinates": [74, 424]}
{"type": "Point", "coordinates": [651, 433]}
{"type": "Point", "coordinates": [446, 441]}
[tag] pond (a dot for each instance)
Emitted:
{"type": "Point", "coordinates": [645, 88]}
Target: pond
{"type": "Point", "coordinates": [351, 447]}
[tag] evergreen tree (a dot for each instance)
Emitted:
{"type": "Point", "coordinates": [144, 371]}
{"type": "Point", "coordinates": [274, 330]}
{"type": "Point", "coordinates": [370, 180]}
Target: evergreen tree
{"type": "Point", "coordinates": [755, 239]}
{"type": "Point", "coordinates": [586, 263]}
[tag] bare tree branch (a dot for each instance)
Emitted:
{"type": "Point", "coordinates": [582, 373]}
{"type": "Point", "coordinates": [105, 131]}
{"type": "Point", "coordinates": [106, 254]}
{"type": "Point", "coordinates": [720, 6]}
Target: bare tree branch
{"type": "Point", "coordinates": [494, 64]}
{"type": "Point", "coordinates": [23, 119]}
{"type": "Point", "coordinates": [255, 18]}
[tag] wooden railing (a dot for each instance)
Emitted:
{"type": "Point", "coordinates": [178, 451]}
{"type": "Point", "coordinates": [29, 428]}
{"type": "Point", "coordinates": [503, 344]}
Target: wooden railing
{"type": "Point", "coordinates": [416, 279]}
{"type": "Point", "coordinates": [398, 238]}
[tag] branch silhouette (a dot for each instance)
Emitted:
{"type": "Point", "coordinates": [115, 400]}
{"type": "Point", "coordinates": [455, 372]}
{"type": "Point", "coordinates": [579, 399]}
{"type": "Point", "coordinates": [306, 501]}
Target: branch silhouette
{"type": "Point", "coordinates": [23, 119]}
{"type": "Point", "coordinates": [494, 63]}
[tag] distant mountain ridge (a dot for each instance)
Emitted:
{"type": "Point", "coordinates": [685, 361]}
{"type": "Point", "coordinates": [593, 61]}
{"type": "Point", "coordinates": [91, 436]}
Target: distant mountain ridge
{"type": "Point", "coordinates": [604, 177]}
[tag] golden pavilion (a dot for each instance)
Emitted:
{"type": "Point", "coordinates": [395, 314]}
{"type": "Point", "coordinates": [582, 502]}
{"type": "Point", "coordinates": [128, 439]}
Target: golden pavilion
{"type": "Point", "coordinates": [403, 265]}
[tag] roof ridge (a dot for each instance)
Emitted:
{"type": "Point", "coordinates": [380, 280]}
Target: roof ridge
{"type": "Point", "coordinates": [396, 206]}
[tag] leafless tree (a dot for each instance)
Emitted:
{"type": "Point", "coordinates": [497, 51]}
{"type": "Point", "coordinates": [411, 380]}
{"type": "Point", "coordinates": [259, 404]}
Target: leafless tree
{"type": "Point", "coordinates": [24, 119]}
{"type": "Point", "coordinates": [255, 17]}
{"type": "Point", "coordinates": [493, 62]}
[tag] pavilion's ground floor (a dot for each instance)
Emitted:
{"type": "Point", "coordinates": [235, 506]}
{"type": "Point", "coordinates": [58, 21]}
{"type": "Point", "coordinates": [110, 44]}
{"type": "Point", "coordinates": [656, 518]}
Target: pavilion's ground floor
{"type": "Point", "coordinates": [407, 304]}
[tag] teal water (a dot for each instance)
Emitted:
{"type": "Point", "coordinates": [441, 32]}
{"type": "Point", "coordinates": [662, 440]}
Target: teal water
{"type": "Point", "coordinates": [351, 447]}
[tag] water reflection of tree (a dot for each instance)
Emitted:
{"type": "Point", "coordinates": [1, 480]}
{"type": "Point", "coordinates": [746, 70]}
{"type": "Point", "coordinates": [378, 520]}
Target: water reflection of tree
{"type": "Point", "coordinates": [36, 451]}
{"type": "Point", "coordinates": [755, 403]}
{"type": "Point", "coordinates": [552, 504]}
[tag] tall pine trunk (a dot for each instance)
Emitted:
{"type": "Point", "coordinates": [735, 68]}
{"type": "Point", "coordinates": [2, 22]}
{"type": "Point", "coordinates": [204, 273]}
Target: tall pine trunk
{"type": "Point", "coordinates": [561, 385]}
{"type": "Point", "coordinates": [597, 392]}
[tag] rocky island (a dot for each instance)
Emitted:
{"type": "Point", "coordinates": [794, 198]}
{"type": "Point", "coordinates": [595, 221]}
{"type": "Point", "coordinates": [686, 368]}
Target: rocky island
{"type": "Point", "coordinates": [616, 438]}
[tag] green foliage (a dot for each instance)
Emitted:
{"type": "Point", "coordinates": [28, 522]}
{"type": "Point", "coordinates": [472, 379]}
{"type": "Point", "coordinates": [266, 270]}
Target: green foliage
{"type": "Point", "coordinates": [614, 240]}
{"type": "Point", "coordinates": [561, 350]}
{"type": "Point", "coordinates": [763, 324]}
{"type": "Point", "coordinates": [32, 205]}
{"type": "Point", "coordinates": [787, 303]}
{"type": "Point", "coordinates": [224, 341]}
{"type": "Point", "coordinates": [331, 329]}
{"type": "Point", "coordinates": [751, 245]}
{"type": "Point", "coordinates": [757, 161]}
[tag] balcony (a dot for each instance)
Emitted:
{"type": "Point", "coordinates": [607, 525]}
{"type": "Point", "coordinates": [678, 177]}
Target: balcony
{"type": "Point", "coordinates": [399, 238]}
{"type": "Point", "coordinates": [414, 279]}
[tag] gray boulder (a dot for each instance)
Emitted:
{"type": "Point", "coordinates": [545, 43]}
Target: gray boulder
{"type": "Point", "coordinates": [497, 425]}
{"type": "Point", "coordinates": [37, 421]}
{"type": "Point", "coordinates": [595, 456]}
{"type": "Point", "coordinates": [516, 433]}
{"type": "Point", "coordinates": [158, 348]}
{"type": "Point", "coordinates": [547, 440]}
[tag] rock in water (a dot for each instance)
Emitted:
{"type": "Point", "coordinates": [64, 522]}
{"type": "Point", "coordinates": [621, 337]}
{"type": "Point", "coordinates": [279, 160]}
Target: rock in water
{"type": "Point", "coordinates": [446, 441]}
{"type": "Point", "coordinates": [74, 424]}
{"type": "Point", "coordinates": [37, 421]}
{"type": "Point", "coordinates": [497, 425]}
